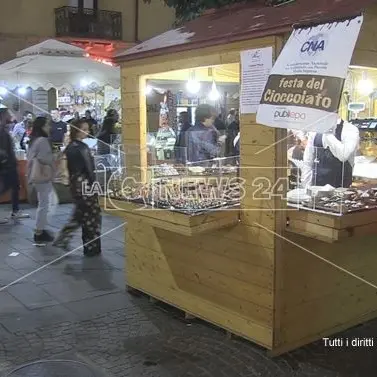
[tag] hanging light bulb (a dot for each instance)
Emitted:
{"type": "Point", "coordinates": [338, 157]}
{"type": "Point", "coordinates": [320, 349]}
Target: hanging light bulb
{"type": "Point", "coordinates": [148, 90]}
{"type": "Point", "coordinates": [193, 86]}
{"type": "Point", "coordinates": [3, 91]}
{"type": "Point", "coordinates": [214, 94]}
{"type": "Point", "coordinates": [365, 86]}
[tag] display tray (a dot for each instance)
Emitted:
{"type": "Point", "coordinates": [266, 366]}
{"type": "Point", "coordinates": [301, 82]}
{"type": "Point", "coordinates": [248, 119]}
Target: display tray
{"type": "Point", "coordinates": [177, 221]}
{"type": "Point", "coordinates": [332, 227]}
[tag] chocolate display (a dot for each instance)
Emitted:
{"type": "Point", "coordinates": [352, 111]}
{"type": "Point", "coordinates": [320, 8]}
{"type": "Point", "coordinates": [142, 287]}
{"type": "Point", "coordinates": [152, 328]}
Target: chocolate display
{"type": "Point", "coordinates": [189, 196]}
{"type": "Point", "coordinates": [345, 201]}
{"type": "Point", "coordinates": [164, 170]}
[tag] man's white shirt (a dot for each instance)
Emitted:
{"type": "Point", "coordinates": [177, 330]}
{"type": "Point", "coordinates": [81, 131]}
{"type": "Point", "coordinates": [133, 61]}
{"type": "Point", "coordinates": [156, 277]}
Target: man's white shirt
{"type": "Point", "coordinates": [344, 149]}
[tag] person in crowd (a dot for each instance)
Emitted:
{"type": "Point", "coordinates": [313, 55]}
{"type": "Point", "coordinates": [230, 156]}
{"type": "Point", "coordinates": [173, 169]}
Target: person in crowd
{"type": "Point", "coordinates": [92, 123]}
{"type": "Point", "coordinates": [58, 128]}
{"type": "Point", "coordinates": [40, 152]}
{"type": "Point", "coordinates": [104, 138]}
{"type": "Point", "coordinates": [182, 138]}
{"type": "Point", "coordinates": [204, 142]}
{"type": "Point", "coordinates": [21, 128]}
{"type": "Point", "coordinates": [219, 124]}
{"type": "Point", "coordinates": [26, 137]}
{"type": "Point", "coordinates": [87, 212]}
{"type": "Point", "coordinates": [231, 117]}
{"type": "Point", "coordinates": [9, 179]}
{"type": "Point", "coordinates": [295, 156]}
{"type": "Point", "coordinates": [329, 158]}
{"type": "Point", "coordinates": [236, 144]}
{"type": "Point", "coordinates": [232, 131]}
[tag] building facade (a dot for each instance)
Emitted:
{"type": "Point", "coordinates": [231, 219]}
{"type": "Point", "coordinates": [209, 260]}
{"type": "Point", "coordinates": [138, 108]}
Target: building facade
{"type": "Point", "coordinates": [100, 26]}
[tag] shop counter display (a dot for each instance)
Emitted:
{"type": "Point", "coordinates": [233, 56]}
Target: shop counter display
{"type": "Point", "coordinates": [174, 221]}
{"type": "Point", "coordinates": [177, 198]}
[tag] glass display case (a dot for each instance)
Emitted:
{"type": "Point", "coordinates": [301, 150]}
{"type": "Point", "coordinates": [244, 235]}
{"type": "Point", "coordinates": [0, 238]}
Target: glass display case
{"type": "Point", "coordinates": [330, 186]}
{"type": "Point", "coordinates": [186, 188]}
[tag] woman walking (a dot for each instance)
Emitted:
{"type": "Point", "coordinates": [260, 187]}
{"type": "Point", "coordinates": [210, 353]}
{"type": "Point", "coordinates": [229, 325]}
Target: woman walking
{"type": "Point", "coordinates": [87, 212]}
{"type": "Point", "coordinates": [40, 175]}
{"type": "Point", "coordinates": [104, 138]}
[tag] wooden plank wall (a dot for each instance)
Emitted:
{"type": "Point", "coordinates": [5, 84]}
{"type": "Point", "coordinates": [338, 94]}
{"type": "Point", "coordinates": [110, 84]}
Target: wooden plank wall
{"type": "Point", "coordinates": [319, 299]}
{"type": "Point", "coordinates": [225, 277]}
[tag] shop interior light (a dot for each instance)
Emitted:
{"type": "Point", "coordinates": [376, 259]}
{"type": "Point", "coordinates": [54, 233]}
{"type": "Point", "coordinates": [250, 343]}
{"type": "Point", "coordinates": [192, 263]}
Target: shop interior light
{"type": "Point", "coordinates": [193, 86]}
{"type": "Point", "coordinates": [22, 91]}
{"type": "Point", "coordinates": [3, 91]}
{"type": "Point", "coordinates": [214, 94]}
{"type": "Point", "coordinates": [365, 87]}
{"type": "Point", "coordinates": [148, 90]}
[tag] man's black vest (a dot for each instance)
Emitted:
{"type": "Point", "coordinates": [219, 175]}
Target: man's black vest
{"type": "Point", "coordinates": [327, 169]}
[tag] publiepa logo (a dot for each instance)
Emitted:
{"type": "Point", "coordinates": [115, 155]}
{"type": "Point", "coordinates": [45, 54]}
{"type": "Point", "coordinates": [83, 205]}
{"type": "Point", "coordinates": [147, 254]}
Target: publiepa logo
{"type": "Point", "coordinates": [314, 46]}
{"type": "Point", "coordinates": [289, 115]}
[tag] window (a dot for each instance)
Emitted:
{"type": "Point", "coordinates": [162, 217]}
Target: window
{"type": "Point", "coordinates": [88, 4]}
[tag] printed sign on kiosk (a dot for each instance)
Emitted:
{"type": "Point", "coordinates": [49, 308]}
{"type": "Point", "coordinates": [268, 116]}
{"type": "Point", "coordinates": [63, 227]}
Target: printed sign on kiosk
{"type": "Point", "coordinates": [304, 88]}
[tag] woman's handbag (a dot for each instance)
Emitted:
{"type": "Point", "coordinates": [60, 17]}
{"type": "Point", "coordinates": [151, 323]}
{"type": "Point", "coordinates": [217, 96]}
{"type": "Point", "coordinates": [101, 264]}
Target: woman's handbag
{"type": "Point", "coordinates": [40, 173]}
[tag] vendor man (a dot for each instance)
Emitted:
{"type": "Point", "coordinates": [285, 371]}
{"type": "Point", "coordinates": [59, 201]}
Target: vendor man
{"type": "Point", "coordinates": [329, 158]}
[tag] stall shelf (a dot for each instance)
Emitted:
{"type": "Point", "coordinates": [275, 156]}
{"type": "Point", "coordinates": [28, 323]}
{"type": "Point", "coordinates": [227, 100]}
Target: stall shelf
{"type": "Point", "coordinates": [175, 222]}
{"type": "Point", "coordinates": [254, 279]}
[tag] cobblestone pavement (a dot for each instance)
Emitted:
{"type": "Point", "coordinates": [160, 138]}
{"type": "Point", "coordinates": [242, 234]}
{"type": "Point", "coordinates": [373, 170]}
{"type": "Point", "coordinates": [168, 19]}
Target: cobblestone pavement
{"type": "Point", "coordinates": [77, 309]}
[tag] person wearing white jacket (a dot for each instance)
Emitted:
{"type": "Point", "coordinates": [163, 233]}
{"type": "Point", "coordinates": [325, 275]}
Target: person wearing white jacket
{"type": "Point", "coordinates": [329, 158]}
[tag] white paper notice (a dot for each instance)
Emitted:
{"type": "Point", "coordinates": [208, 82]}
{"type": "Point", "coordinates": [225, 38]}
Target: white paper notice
{"type": "Point", "coordinates": [256, 66]}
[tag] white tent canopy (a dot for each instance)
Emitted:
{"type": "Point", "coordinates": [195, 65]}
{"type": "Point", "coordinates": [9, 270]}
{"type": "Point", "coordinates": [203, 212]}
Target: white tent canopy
{"type": "Point", "coordinates": [54, 64]}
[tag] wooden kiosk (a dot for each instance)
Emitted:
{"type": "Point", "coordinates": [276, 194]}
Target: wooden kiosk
{"type": "Point", "coordinates": [262, 272]}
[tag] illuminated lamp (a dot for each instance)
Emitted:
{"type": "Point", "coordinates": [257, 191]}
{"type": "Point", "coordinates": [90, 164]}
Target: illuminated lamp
{"type": "Point", "coordinates": [214, 94]}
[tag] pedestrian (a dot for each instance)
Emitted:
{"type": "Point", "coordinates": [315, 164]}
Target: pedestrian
{"type": "Point", "coordinates": [40, 173]}
{"type": "Point", "coordinates": [58, 128]}
{"type": "Point", "coordinates": [107, 133]}
{"type": "Point", "coordinates": [87, 212]}
{"type": "Point", "coordinates": [93, 124]}
{"type": "Point", "coordinates": [19, 129]}
{"type": "Point", "coordinates": [9, 179]}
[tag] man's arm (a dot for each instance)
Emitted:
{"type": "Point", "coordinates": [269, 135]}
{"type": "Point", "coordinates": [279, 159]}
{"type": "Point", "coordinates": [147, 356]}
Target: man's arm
{"type": "Point", "coordinates": [343, 149]}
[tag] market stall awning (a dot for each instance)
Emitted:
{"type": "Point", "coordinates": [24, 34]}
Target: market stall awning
{"type": "Point", "coordinates": [244, 21]}
{"type": "Point", "coordinates": [54, 64]}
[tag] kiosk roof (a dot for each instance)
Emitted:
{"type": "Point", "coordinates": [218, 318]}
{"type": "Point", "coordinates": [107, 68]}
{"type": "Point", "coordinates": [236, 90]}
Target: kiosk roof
{"type": "Point", "coordinates": [244, 21]}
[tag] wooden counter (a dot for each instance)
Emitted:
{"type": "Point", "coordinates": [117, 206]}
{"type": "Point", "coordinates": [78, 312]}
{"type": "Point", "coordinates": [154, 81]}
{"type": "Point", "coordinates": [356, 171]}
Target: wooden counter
{"type": "Point", "coordinates": [172, 221]}
{"type": "Point", "coordinates": [330, 227]}
{"type": "Point", "coordinates": [326, 276]}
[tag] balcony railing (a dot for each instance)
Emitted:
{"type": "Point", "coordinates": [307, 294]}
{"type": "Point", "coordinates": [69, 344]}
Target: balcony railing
{"type": "Point", "coordinates": [88, 23]}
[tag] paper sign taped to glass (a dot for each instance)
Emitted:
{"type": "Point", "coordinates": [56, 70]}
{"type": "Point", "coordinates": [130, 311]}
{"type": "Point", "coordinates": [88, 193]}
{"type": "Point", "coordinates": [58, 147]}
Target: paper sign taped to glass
{"type": "Point", "coordinates": [305, 86]}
